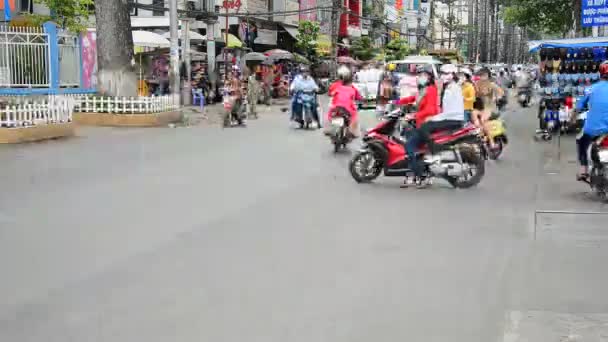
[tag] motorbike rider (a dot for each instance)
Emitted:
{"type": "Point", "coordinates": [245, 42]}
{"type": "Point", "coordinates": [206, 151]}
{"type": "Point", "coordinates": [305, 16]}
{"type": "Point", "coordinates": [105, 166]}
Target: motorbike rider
{"type": "Point", "coordinates": [596, 99]}
{"type": "Point", "coordinates": [503, 82]}
{"type": "Point", "coordinates": [389, 77]}
{"type": "Point", "coordinates": [304, 83]}
{"type": "Point", "coordinates": [468, 92]}
{"type": "Point", "coordinates": [344, 94]}
{"type": "Point", "coordinates": [489, 92]}
{"type": "Point", "coordinates": [427, 103]}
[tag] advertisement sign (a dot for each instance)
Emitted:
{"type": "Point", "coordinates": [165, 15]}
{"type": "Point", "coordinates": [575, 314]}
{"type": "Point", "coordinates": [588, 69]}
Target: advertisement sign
{"type": "Point", "coordinates": [311, 15]}
{"type": "Point", "coordinates": [7, 7]}
{"type": "Point", "coordinates": [425, 12]}
{"type": "Point", "coordinates": [292, 6]}
{"type": "Point", "coordinates": [594, 13]}
{"type": "Point", "coordinates": [89, 60]}
{"type": "Point", "coordinates": [266, 37]}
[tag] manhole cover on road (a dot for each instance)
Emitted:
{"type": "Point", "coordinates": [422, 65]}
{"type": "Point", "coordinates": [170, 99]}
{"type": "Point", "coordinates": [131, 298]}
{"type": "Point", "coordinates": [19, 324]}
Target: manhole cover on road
{"type": "Point", "coordinates": [578, 228]}
{"type": "Point", "coordinates": [546, 326]}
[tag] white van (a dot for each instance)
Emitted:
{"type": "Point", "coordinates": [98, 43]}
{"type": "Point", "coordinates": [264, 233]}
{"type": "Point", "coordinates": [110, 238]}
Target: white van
{"type": "Point", "coordinates": [406, 69]}
{"type": "Point", "coordinates": [411, 63]}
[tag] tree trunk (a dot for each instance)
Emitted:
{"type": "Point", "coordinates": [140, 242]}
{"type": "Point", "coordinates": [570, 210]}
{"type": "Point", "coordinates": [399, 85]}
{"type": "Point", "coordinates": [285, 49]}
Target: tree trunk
{"type": "Point", "coordinates": [116, 75]}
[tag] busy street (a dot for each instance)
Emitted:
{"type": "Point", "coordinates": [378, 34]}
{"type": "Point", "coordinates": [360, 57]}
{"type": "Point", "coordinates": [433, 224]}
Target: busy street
{"type": "Point", "coordinates": [303, 170]}
{"type": "Point", "coordinates": [261, 234]}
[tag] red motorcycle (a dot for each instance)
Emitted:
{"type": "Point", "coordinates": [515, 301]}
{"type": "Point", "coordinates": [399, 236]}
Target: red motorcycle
{"type": "Point", "coordinates": [459, 161]}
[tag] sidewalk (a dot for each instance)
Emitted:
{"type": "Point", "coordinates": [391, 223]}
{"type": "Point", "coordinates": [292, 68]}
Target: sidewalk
{"type": "Point", "coordinates": [212, 114]}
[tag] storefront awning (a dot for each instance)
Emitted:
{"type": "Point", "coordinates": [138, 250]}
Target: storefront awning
{"type": "Point", "coordinates": [147, 39]}
{"type": "Point", "coordinates": [293, 31]}
{"type": "Point", "coordinates": [194, 36]}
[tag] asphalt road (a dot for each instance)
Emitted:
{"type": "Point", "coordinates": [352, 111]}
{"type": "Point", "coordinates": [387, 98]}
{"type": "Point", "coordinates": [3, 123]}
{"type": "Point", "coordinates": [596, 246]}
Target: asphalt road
{"type": "Point", "coordinates": [260, 234]}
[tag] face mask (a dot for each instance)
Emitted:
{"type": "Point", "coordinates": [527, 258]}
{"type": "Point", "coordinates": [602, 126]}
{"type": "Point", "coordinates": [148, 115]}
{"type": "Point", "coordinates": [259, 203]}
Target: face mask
{"type": "Point", "coordinates": [422, 81]}
{"type": "Point", "coordinates": [446, 78]}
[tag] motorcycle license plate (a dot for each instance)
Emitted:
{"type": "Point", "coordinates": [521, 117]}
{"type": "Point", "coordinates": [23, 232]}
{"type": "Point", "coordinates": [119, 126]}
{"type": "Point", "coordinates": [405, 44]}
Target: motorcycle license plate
{"type": "Point", "coordinates": [337, 122]}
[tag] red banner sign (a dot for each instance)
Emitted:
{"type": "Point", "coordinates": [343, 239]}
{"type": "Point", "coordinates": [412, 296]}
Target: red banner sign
{"type": "Point", "coordinates": [231, 4]}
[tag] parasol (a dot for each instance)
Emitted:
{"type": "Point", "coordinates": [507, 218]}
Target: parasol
{"type": "Point", "coordinates": [255, 56]}
{"type": "Point", "coordinates": [277, 54]}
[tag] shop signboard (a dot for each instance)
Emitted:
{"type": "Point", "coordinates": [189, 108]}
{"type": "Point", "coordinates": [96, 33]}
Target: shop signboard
{"type": "Point", "coordinates": [594, 13]}
{"type": "Point", "coordinates": [310, 15]}
{"type": "Point", "coordinates": [266, 37]}
{"type": "Point", "coordinates": [425, 12]}
{"type": "Point", "coordinates": [292, 6]}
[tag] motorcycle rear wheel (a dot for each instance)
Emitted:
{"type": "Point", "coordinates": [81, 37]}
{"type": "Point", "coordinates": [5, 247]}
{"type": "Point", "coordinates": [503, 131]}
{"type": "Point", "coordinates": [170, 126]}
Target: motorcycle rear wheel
{"type": "Point", "coordinates": [497, 152]}
{"type": "Point", "coordinates": [469, 156]}
{"type": "Point", "coordinates": [373, 169]}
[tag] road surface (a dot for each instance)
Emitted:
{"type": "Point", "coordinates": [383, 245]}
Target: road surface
{"type": "Point", "coordinates": [260, 234]}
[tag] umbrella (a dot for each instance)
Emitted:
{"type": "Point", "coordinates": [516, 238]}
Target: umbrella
{"type": "Point", "coordinates": [255, 56]}
{"type": "Point", "coordinates": [194, 36]}
{"type": "Point", "coordinates": [148, 39]}
{"type": "Point", "coordinates": [279, 54]}
{"type": "Point", "coordinates": [346, 60]}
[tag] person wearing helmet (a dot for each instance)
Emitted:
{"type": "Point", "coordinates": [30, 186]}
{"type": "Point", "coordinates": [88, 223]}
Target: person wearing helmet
{"type": "Point", "coordinates": [452, 101]}
{"type": "Point", "coordinates": [468, 92]}
{"type": "Point", "coordinates": [596, 99]}
{"type": "Point", "coordinates": [388, 84]}
{"type": "Point", "coordinates": [344, 94]}
{"type": "Point", "coordinates": [489, 93]}
{"type": "Point", "coordinates": [428, 106]}
{"type": "Point", "coordinates": [303, 83]}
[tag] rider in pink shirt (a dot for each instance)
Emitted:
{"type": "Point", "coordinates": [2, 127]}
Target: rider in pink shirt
{"type": "Point", "coordinates": [344, 95]}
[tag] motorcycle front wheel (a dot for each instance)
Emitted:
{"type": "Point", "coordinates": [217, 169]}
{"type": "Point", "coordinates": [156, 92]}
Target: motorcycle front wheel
{"type": "Point", "coordinates": [364, 167]}
{"type": "Point", "coordinates": [477, 169]}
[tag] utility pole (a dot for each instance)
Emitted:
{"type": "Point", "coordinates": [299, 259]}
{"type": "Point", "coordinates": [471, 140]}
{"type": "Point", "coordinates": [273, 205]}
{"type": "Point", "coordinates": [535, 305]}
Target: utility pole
{"type": "Point", "coordinates": [174, 53]}
{"type": "Point", "coordinates": [186, 60]}
{"type": "Point", "coordinates": [335, 23]}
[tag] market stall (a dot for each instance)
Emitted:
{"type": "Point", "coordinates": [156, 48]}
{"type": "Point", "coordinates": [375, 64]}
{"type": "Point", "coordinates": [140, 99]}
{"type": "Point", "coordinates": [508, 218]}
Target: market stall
{"type": "Point", "coordinates": [568, 68]}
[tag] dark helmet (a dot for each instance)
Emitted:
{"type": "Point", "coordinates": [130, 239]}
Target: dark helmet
{"type": "Point", "coordinates": [484, 70]}
{"type": "Point", "coordinates": [425, 68]}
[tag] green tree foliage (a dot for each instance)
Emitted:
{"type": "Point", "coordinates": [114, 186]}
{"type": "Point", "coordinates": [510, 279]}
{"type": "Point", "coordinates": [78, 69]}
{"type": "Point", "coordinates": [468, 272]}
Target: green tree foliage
{"type": "Point", "coordinates": [70, 14]}
{"type": "Point", "coordinates": [545, 16]}
{"type": "Point", "coordinates": [306, 40]}
{"type": "Point", "coordinates": [396, 49]}
{"type": "Point", "coordinates": [363, 49]}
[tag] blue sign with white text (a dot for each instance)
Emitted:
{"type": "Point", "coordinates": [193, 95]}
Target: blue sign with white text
{"type": "Point", "coordinates": [594, 13]}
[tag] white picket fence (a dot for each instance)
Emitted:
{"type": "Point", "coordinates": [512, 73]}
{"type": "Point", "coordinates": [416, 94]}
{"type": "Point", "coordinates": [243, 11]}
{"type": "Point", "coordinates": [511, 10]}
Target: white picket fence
{"type": "Point", "coordinates": [52, 110]}
{"type": "Point", "coordinates": [125, 105]}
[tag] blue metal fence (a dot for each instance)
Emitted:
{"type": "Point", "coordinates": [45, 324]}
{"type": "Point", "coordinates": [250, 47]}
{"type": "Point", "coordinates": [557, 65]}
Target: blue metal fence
{"type": "Point", "coordinates": [40, 61]}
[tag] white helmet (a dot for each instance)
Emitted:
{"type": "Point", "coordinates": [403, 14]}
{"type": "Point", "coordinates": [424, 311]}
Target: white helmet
{"type": "Point", "coordinates": [344, 73]}
{"type": "Point", "coordinates": [448, 69]}
{"type": "Point", "coordinates": [466, 71]}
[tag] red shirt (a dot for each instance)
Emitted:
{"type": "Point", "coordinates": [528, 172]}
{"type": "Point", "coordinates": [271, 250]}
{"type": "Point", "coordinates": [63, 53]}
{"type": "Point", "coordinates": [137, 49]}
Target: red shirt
{"type": "Point", "coordinates": [428, 106]}
{"type": "Point", "coordinates": [333, 86]}
{"type": "Point", "coordinates": [345, 96]}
